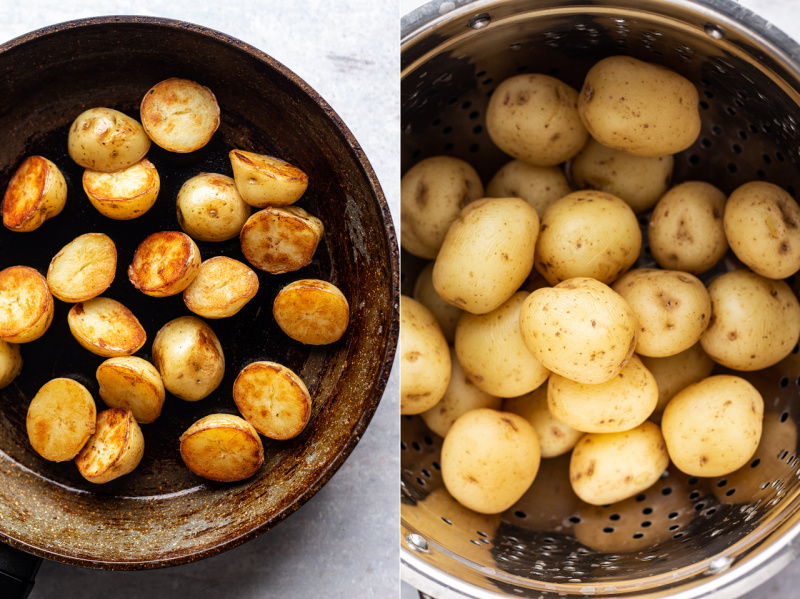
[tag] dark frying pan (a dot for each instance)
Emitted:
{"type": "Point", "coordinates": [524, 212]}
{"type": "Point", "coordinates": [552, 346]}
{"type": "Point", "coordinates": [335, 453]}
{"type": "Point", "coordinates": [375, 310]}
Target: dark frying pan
{"type": "Point", "coordinates": [162, 514]}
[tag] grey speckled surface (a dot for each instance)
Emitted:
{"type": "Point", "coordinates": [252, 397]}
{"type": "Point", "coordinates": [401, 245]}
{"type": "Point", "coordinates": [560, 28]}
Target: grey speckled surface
{"type": "Point", "coordinates": [343, 542]}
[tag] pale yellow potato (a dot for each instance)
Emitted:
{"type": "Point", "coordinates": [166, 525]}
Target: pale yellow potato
{"type": "Point", "coordinates": [587, 234]}
{"type": "Point", "coordinates": [487, 254]}
{"type": "Point", "coordinates": [210, 208]}
{"type": "Point", "coordinates": [221, 288]}
{"type": "Point", "coordinates": [639, 107]}
{"type": "Point", "coordinates": [424, 358]}
{"type": "Point", "coordinates": [266, 180]}
{"type": "Point", "coordinates": [580, 329]}
{"type": "Point", "coordinates": [273, 399]}
{"type": "Point", "coordinates": [672, 308]}
{"type": "Point", "coordinates": [222, 447]}
{"type": "Point", "coordinates": [37, 191]}
{"type": "Point", "coordinates": [686, 230]}
{"type": "Point", "coordinates": [755, 321]}
{"type": "Point", "coordinates": [61, 418]}
{"type": "Point", "coordinates": [638, 180]}
{"type": "Point", "coordinates": [460, 397]}
{"type": "Point", "coordinates": [677, 372]}
{"type": "Point", "coordinates": [105, 327]}
{"type": "Point", "coordinates": [432, 194]}
{"type": "Point", "coordinates": [189, 358]}
{"type": "Point", "coordinates": [132, 383]}
{"type": "Point", "coordinates": [10, 363]}
{"type": "Point", "coordinates": [540, 186]}
{"type": "Point", "coordinates": [115, 449]}
{"type": "Point", "coordinates": [489, 459]}
{"type": "Point", "coordinates": [180, 115]}
{"type": "Point", "coordinates": [26, 305]}
{"type": "Point", "coordinates": [446, 314]}
{"type": "Point", "coordinates": [106, 140]}
{"type": "Point", "coordinates": [493, 354]}
{"type": "Point", "coordinates": [762, 224]}
{"type": "Point", "coordinates": [610, 467]}
{"type": "Point", "coordinates": [713, 427]}
{"type": "Point", "coordinates": [534, 118]}
{"type": "Point", "coordinates": [312, 311]}
{"type": "Point", "coordinates": [125, 194]}
{"type": "Point", "coordinates": [281, 239]}
{"type": "Point", "coordinates": [83, 269]}
{"type": "Point", "coordinates": [164, 264]}
{"type": "Point", "coordinates": [555, 437]}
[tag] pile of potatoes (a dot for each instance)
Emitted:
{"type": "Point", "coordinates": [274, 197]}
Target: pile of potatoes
{"type": "Point", "coordinates": [531, 334]}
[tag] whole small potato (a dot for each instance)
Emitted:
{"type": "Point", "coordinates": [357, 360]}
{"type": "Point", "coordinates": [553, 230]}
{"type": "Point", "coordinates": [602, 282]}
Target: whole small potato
{"type": "Point", "coordinates": [432, 194]}
{"type": "Point", "coordinates": [555, 437]}
{"type": "Point", "coordinates": [446, 314]}
{"type": "Point", "coordinates": [540, 186]}
{"type": "Point", "coordinates": [11, 363]}
{"type": "Point", "coordinates": [686, 231]}
{"type": "Point", "coordinates": [210, 208]}
{"type": "Point", "coordinates": [713, 427]}
{"type": "Point", "coordinates": [487, 254]}
{"type": "Point", "coordinates": [677, 372]}
{"type": "Point", "coordinates": [587, 234]}
{"type": "Point", "coordinates": [639, 107]}
{"type": "Point", "coordinates": [489, 459]}
{"type": "Point", "coordinates": [755, 321]}
{"type": "Point", "coordinates": [106, 140]}
{"type": "Point", "coordinates": [534, 118]}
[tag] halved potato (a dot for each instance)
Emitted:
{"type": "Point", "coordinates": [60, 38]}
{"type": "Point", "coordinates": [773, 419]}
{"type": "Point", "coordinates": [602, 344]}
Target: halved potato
{"type": "Point", "coordinates": [10, 363]}
{"type": "Point", "coordinates": [273, 399]}
{"type": "Point", "coordinates": [180, 115]}
{"type": "Point", "coordinates": [265, 180]}
{"type": "Point", "coordinates": [26, 305]}
{"type": "Point", "coordinates": [107, 140]}
{"type": "Point", "coordinates": [165, 263]}
{"type": "Point", "coordinates": [210, 208]}
{"type": "Point", "coordinates": [312, 311]}
{"type": "Point", "coordinates": [221, 288]}
{"type": "Point", "coordinates": [105, 327]}
{"type": "Point", "coordinates": [222, 447]}
{"type": "Point", "coordinates": [115, 449]}
{"type": "Point", "coordinates": [61, 418]}
{"type": "Point", "coordinates": [280, 239]}
{"type": "Point", "coordinates": [123, 194]}
{"type": "Point", "coordinates": [132, 383]}
{"type": "Point", "coordinates": [83, 269]}
{"type": "Point", "coordinates": [36, 192]}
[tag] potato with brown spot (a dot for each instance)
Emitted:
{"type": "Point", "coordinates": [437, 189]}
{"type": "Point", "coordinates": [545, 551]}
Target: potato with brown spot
{"type": "Point", "coordinates": [26, 304]}
{"type": "Point", "coordinates": [134, 384]}
{"type": "Point", "coordinates": [210, 208]}
{"type": "Point", "coordinates": [266, 180]}
{"type": "Point", "coordinates": [222, 447]}
{"type": "Point", "coordinates": [281, 239]}
{"type": "Point", "coordinates": [312, 311]}
{"type": "Point", "coordinates": [10, 363]}
{"type": "Point", "coordinates": [106, 140]}
{"type": "Point", "coordinates": [115, 449]}
{"type": "Point", "coordinates": [555, 436]}
{"type": "Point", "coordinates": [424, 358]}
{"type": "Point", "coordinates": [125, 194]}
{"type": "Point", "coordinates": [677, 372]}
{"type": "Point", "coordinates": [222, 287]}
{"type": "Point", "coordinates": [37, 191]}
{"type": "Point", "coordinates": [83, 269]}
{"type": "Point", "coordinates": [540, 186]}
{"type": "Point", "coordinates": [61, 418]}
{"type": "Point", "coordinates": [164, 264]}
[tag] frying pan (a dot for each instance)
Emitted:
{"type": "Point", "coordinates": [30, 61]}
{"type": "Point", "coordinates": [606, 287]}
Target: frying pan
{"type": "Point", "coordinates": [162, 514]}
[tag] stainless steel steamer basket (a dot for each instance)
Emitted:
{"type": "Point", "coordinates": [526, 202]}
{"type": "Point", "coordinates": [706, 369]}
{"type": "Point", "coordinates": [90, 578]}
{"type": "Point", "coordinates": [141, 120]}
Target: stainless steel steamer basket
{"type": "Point", "coordinates": [684, 537]}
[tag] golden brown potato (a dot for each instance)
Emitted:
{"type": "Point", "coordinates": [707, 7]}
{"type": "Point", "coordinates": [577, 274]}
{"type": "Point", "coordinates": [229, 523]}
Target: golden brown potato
{"type": "Point", "coordinates": [165, 263]}
{"type": "Point", "coordinates": [540, 186]}
{"type": "Point", "coordinates": [83, 269]}
{"type": "Point", "coordinates": [446, 314]}
{"type": "Point", "coordinates": [210, 208]}
{"type": "Point", "coordinates": [677, 372]}
{"type": "Point", "coordinates": [265, 180]}
{"type": "Point", "coordinates": [36, 192]}
{"type": "Point", "coordinates": [105, 327]}
{"type": "Point", "coordinates": [555, 437]}
{"type": "Point", "coordinates": [10, 363]}
{"type": "Point", "coordinates": [26, 305]}
{"type": "Point", "coordinates": [124, 194]}
{"type": "Point", "coordinates": [221, 288]}
{"type": "Point", "coordinates": [61, 418]}
{"type": "Point", "coordinates": [115, 449]}
{"type": "Point", "coordinates": [280, 239]}
{"type": "Point", "coordinates": [312, 311]}
{"type": "Point", "coordinates": [222, 447]}
{"type": "Point", "coordinates": [106, 140]}
{"type": "Point", "coordinates": [132, 383]}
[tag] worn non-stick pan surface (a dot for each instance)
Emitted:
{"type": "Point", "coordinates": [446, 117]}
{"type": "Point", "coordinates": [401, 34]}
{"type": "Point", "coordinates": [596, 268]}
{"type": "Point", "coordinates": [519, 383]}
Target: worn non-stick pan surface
{"type": "Point", "coordinates": [162, 514]}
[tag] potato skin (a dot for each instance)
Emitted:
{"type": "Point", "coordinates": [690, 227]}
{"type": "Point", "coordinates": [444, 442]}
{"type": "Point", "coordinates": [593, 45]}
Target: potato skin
{"type": "Point", "coordinates": [540, 186]}
{"type": "Point", "coordinates": [266, 180]}
{"type": "Point", "coordinates": [210, 208]}
{"type": "Point", "coordinates": [446, 314]}
{"type": "Point", "coordinates": [106, 140]}
{"type": "Point", "coordinates": [677, 372]}
{"type": "Point", "coordinates": [555, 437]}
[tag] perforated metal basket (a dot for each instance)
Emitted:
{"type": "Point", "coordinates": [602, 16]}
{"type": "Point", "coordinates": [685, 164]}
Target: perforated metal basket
{"type": "Point", "coordinates": [685, 537]}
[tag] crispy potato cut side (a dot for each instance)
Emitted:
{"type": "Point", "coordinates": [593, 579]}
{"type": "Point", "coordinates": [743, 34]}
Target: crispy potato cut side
{"type": "Point", "coordinates": [115, 449]}
{"type": "Point", "coordinates": [221, 288]}
{"type": "Point", "coordinates": [312, 311]}
{"type": "Point", "coordinates": [280, 239]}
{"type": "Point", "coordinates": [61, 418]}
{"type": "Point", "coordinates": [83, 269]}
{"type": "Point", "coordinates": [36, 192]}
{"type": "Point", "coordinates": [273, 399]}
{"type": "Point", "coordinates": [132, 383]}
{"type": "Point", "coordinates": [105, 327]}
{"type": "Point", "coordinates": [26, 305]}
{"type": "Point", "coordinates": [165, 263]}
{"type": "Point", "coordinates": [222, 447]}
{"type": "Point", "coordinates": [125, 194]}
{"type": "Point", "coordinates": [265, 180]}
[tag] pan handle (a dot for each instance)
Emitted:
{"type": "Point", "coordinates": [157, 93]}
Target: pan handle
{"type": "Point", "coordinates": [17, 571]}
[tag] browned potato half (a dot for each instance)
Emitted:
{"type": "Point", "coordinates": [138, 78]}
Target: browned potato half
{"type": "Point", "coordinates": [165, 263]}
{"type": "Point", "coordinates": [36, 192]}
{"type": "Point", "coordinates": [105, 327]}
{"type": "Point", "coordinates": [312, 311]}
{"type": "Point", "coordinates": [221, 288]}
{"type": "Point", "coordinates": [273, 399]}
{"type": "Point", "coordinates": [107, 140]}
{"type": "Point", "coordinates": [83, 269]}
{"type": "Point", "coordinates": [123, 194]}
{"type": "Point", "coordinates": [132, 383]}
{"type": "Point", "coordinates": [115, 449]}
{"type": "Point", "coordinates": [222, 447]}
{"type": "Point", "coordinates": [210, 208]}
{"type": "Point", "coordinates": [10, 363]}
{"type": "Point", "coordinates": [26, 305]}
{"type": "Point", "coordinates": [265, 180]}
{"type": "Point", "coordinates": [280, 239]}
{"type": "Point", "coordinates": [61, 418]}
{"type": "Point", "coordinates": [540, 186]}
{"type": "Point", "coordinates": [180, 115]}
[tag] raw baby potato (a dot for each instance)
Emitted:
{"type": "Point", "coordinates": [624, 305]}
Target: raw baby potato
{"type": "Point", "coordinates": [677, 372]}
{"type": "Point", "coordinates": [164, 264]}
{"type": "Point", "coordinates": [487, 254]}
{"type": "Point", "coordinates": [36, 192]}
{"type": "Point", "coordinates": [555, 437]}
{"type": "Point", "coordinates": [61, 418]}
{"type": "Point", "coordinates": [26, 304]}
{"type": "Point", "coordinates": [580, 329]}
{"type": "Point", "coordinates": [221, 288]}
{"type": "Point", "coordinates": [10, 363]}
{"type": "Point", "coordinates": [534, 118]}
{"type": "Point", "coordinates": [132, 383]}
{"type": "Point", "coordinates": [222, 447]}
{"type": "Point", "coordinates": [210, 208]}
{"type": "Point", "coordinates": [106, 140]}
{"type": "Point", "coordinates": [312, 311]}
{"type": "Point", "coordinates": [639, 107]}
{"type": "Point", "coordinates": [432, 194]}
{"type": "Point", "coordinates": [446, 314]}
{"type": "Point", "coordinates": [265, 180]}
{"type": "Point", "coordinates": [115, 449]}
{"type": "Point", "coordinates": [540, 186]}
{"type": "Point", "coordinates": [489, 459]}
{"type": "Point", "coordinates": [713, 427]}
{"type": "Point", "coordinates": [280, 239]}
{"type": "Point", "coordinates": [105, 327]}
{"type": "Point", "coordinates": [587, 234]}
{"type": "Point", "coordinates": [125, 194]}
{"type": "Point", "coordinates": [83, 269]}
